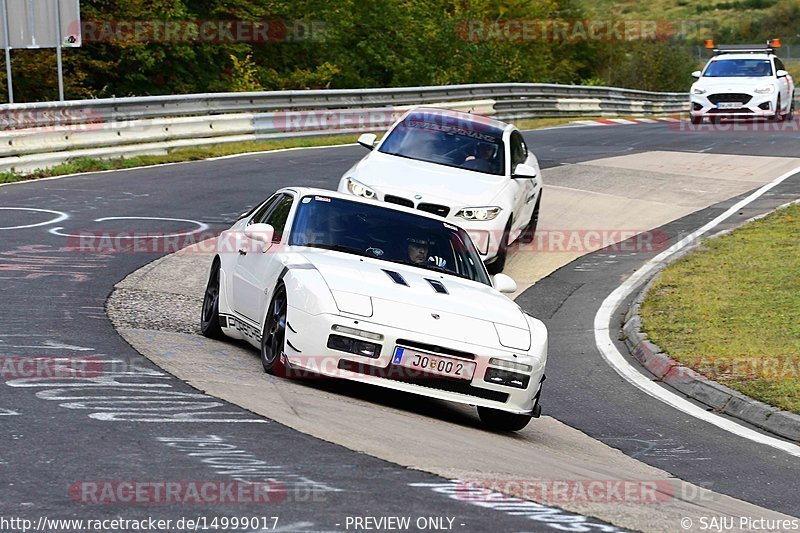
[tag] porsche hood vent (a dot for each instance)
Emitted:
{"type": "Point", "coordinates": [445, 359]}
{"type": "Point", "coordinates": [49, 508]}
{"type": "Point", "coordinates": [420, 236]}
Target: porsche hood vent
{"type": "Point", "coordinates": [396, 277]}
{"type": "Point", "coordinates": [437, 286]}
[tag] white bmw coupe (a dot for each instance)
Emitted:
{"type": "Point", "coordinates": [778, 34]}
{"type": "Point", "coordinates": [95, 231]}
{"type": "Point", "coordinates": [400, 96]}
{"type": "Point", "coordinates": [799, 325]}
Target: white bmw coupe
{"type": "Point", "coordinates": [333, 285]}
{"type": "Point", "coordinates": [472, 170]}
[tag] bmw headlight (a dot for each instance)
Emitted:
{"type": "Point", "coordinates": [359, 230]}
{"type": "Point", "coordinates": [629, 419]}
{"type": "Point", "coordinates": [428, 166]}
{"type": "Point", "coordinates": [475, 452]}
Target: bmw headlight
{"type": "Point", "coordinates": [359, 189]}
{"type": "Point", "coordinates": [698, 90]}
{"type": "Point", "coordinates": [766, 89]}
{"type": "Point", "coordinates": [479, 213]}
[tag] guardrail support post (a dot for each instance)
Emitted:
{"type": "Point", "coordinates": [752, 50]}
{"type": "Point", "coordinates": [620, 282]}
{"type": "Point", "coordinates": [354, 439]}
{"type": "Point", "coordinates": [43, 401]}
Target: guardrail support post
{"type": "Point", "coordinates": [58, 52]}
{"type": "Point", "coordinates": [8, 53]}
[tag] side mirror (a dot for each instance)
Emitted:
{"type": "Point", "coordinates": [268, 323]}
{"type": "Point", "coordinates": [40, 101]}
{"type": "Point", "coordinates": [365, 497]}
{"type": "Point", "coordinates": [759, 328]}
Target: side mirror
{"type": "Point", "coordinates": [524, 171]}
{"type": "Point", "coordinates": [260, 232]}
{"type": "Point", "coordinates": [697, 74]}
{"type": "Point", "coordinates": [781, 74]}
{"type": "Point", "coordinates": [504, 283]}
{"type": "Point", "coordinates": [367, 140]}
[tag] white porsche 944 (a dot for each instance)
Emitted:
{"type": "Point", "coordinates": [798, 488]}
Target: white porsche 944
{"type": "Point", "coordinates": [472, 170]}
{"type": "Point", "coordinates": [330, 284]}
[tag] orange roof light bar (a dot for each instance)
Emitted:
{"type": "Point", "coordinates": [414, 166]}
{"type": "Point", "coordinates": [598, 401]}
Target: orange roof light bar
{"type": "Point", "coordinates": [709, 43]}
{"type": "Point", "coordinates": [775, 43]}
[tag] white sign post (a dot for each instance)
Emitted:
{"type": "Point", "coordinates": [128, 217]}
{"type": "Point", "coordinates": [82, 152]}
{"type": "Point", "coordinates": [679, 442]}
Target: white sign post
{"type": "Point", "coordinates": [40, 24]}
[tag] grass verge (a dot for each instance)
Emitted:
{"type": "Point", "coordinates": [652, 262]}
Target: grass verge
{"type": "Point", "coordinates": [731, 309]}
{"type": "Point", "coordinates": [85, 164]}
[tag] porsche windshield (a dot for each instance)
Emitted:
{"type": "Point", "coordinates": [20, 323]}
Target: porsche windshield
{"type": "Point", "coordinates": [739, 68]}
{"type": "Point", "coordinates": [383, 233]}
{"type": "Point", "coordinates": [450, 141]}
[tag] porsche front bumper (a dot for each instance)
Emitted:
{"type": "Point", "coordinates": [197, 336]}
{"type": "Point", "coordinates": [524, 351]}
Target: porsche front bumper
{"type": "Point", "coordinates": [308, 353]}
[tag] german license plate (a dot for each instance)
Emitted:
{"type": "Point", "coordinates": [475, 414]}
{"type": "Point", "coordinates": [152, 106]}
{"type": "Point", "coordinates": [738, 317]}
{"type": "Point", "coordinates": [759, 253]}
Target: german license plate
{"type": "Point", "coordinates": [729, 105]}
{"type": "Point", "coordinates": [433, 364]}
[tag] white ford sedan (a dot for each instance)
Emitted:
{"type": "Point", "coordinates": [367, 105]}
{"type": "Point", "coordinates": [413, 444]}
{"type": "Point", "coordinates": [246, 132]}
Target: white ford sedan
{"type": "Point", "coordinates": [743, 81]}
{"type": "Point", "coordinates": [472, 170]}
{"type": "Point", "coordinates": [333, 285]}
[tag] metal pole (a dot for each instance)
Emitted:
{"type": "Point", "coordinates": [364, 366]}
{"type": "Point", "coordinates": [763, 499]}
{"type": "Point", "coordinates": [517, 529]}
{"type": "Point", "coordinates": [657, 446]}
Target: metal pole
{"type": "Point", "coordinates": [8, 53]}
{"type": "Point", "coordinates": [58, 52]}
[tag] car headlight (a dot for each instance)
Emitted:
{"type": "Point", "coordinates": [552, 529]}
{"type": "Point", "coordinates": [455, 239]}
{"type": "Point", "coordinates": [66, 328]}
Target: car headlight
{"type": "Point", "coordinates": [698, 90]}
{"type": "Point", "coordinates": [766, 89]}
{"type": "Point", "coordinates": [479, 213]}
{"type": "Point", "coordinates": [359, 189]}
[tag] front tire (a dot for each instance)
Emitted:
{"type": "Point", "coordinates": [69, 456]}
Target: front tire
{"type": "Point", "coordinates": [501, 420]}
{"type": "Point", "coordinates": [526, 237]}
{"type": "Point", "coordinates": [777, 117]}
{"type": "Point", "coordinates": [497, 266]}
{"type": "Point", "coordinates": [209, 317]}
{"type": "Point", "coordinates": [697, 120]}
{"type": "Point", "coordinates": [273, 338]}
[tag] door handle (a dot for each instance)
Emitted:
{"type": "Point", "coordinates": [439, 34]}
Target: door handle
{"type": "Point", "coordinates": [242, 252]}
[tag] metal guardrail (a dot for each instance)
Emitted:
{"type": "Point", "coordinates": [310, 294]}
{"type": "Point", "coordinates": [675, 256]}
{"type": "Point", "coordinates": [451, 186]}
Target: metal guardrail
{"type": "Point", "coordinates": [44, 134]}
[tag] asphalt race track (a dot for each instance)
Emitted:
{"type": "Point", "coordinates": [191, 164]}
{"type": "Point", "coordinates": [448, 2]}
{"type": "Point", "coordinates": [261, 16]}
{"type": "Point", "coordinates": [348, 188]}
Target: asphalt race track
{"type": "Point", "coordinates": [125, 420]}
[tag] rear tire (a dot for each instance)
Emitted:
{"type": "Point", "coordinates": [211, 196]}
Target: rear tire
{"type": "Point", "coordinates": [790, 114]}
{"type": "Point", "coordinates": [497, 266]}
{"type": "Point", "coordinates": [209, 316]}
{"type": "Point", "coordinates": [273, 339]}
{"type": "Point", "coordinates": [697, 120]}
{"type": "Point", "coordinates": [502, 420]}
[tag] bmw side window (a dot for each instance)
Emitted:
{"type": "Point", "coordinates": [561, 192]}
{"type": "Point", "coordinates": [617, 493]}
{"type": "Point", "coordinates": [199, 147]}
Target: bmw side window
{"type": "Point", "coordinates": [779, 65]}
{"type": "Point", "coordinates": [261, 212]}
{"type": "Point", "coordinates": [278, 216]}
{"type": "Point", "coordinates": [519, 152]}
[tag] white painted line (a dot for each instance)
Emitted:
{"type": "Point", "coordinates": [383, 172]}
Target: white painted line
{"type": "Point", "coordinates": [647, 120]}
{"type": "Point", "coordinates": [200, 227]}
{"type": "Point", "coordinates": [613, 357]}
{"type": "Point", "coordinates": [622, 121]}
{"type": "Point", "coordinates": [58, 218]}
{"type": "Point", "coordinates": [48, 345]}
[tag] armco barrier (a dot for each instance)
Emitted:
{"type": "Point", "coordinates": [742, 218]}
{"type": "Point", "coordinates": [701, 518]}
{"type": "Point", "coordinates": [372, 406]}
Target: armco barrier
{"type": "Point", "coordinates": [45, 134]}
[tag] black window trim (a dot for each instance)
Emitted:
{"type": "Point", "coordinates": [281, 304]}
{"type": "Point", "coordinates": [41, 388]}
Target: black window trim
{"type": "Point", "coordinates": [284, 195]}
{"type": "Point", "coordinates": [254, 211]}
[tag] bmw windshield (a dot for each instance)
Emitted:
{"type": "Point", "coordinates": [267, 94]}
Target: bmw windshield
{"type": "Point", "coordinates": [383, 233]}
{"type": "Point", "coordinates": [739, 68]}
{"type": "Point", "coordinates": [448, 140]}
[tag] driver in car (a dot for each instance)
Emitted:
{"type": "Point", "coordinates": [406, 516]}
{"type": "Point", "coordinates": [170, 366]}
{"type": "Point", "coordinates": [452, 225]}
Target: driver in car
{"type": "Point", "coordinates": [483, 159]}
{"type": "Point", "coordinates": [418, 248]}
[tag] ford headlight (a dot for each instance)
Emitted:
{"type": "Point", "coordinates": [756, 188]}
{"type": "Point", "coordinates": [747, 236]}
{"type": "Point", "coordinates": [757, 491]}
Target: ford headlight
{"type": "Point", "coordinates": [767, 89]}
{"type": "Point", "coordinates": [359, 189]}
{"type": "Point", "coordinates": [479, 213]}
{"type": "Point", "coordinates": [698, 90]}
